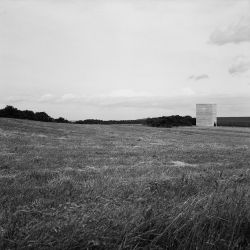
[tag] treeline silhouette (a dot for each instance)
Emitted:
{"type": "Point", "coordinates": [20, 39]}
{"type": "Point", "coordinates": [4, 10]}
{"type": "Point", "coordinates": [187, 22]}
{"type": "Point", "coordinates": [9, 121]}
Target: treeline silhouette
{"type": "Point", "coordinates": [165, 121]}
{"type": "Point", "coordinates": [12, 112]}
{"type": "Point", "coordinates": [170, 121]}
{"type": "Point", "coordinates": [233, 121]}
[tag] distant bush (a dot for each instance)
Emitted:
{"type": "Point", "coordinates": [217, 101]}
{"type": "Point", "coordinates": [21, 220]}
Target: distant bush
{"type": "Point", "coordinates": [11, 112]}
{"type": "Point", "coordinates": [170, 121]}
{"type": "Point", "coordinates": [61, 120]}
{"type": "Point", "coordinates": [30, 115]}
{"type": "Point", "coordinates": [42, 116]}
{"type": "Point", "coordinates": [89, 121]}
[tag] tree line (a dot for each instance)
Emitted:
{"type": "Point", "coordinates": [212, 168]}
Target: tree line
{"type": "Point", "coordinates": [12, 112]}
{"type": "Point", "coordinates": [164, 121]}
{"type": "Point", "coordinates": [170, 121]}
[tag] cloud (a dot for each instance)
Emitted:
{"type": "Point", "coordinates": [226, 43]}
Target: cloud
{"type": "Point", "coordinates": [127, 93]}
{"type": "Point", "coordinates": [199, 77]}
{"type": "Point", "coordinates": [140, 99]}
{"type": "Point", "coordinates": [240, 65]}
{"type": "Point", "coordinates": [47, 98]}
{"type": "Point", "coordinates": [124, 97]}
{"type": "Point", "coordinates": [68, 97]}
{"type": "Point", "coordinates": [235, 33]}
{"type": "Point", "coordinates": [228, 104]}
{"type": "Point", "coordinates": [71, 98]}
{"type": "Point", "coordinates": [186, 92]}
{"type": "Point", "coordinates": [17, 99]}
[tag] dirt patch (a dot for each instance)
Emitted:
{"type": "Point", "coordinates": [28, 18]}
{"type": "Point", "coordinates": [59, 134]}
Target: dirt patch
{"type": "Point", "coordinates": [40, 135]}
{"type": "Point", "coordinates": [182, 164]}
{"type": "Point", "coordinates": [61, 138]}
{"type": "Point", "coordinates": [8, 176]}
{"type": "Point", "coordinates": [6, 153]}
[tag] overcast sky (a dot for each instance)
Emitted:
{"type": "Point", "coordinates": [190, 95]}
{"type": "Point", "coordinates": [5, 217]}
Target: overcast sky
{"type": "Point", "coordinates": [125, 59]}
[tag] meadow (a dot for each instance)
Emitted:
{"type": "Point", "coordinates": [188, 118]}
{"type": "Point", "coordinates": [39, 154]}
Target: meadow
{"type": "Point", "coordinates": [70, 186]}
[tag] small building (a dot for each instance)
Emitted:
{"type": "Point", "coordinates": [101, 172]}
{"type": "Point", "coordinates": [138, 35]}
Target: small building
{"type": "Point", "coordinates": [206, 115]}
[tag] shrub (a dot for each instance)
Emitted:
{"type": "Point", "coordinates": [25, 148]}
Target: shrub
{"type": "Point", "coordinates": [170, 121]}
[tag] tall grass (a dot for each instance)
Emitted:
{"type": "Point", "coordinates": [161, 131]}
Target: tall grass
{"type": "Point", "coordinates": [123, 188]}
{"type": "Point", "coordinates": [58, 211]}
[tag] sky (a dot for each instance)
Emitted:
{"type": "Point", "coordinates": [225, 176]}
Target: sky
{"type": "Point", "coordinates": [125, 59]}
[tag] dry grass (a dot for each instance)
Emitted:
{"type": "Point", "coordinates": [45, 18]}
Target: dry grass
{"type": "Point", "coordinates": [68, 186]}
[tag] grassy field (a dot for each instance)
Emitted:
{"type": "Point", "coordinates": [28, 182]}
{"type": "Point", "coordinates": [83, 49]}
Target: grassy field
{"type": "Point", "coordinates": [65, 186]}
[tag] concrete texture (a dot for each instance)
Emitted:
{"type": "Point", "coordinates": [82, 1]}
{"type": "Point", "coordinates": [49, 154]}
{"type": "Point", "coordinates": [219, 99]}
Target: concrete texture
{"type": "Point", "coordinates": [206, 115]}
